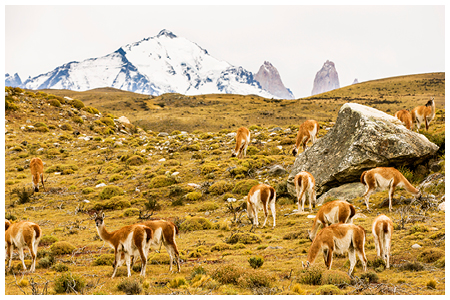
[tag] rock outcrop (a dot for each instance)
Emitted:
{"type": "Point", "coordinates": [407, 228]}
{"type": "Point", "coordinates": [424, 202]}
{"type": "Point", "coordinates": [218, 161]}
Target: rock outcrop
{"type": "Point", "coordinates": [363, 138]}
{"type": "Point", "coordinates": [326, 79]}
{"type": "Point", "coordinates": [355, 81]}
{"type": "Point", "coordinates": [270, 81]}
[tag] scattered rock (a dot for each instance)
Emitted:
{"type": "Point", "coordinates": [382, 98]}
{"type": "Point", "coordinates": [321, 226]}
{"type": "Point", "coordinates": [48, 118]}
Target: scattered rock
{"type": "Point", "coordinates": [124, 120]}
{"type": "Point", "coordinates": [275, 129]}
{"type": "Point", "coordinates": [162, 159]}
{"type": "Point", "coordinates": [100, 185]}
{"type": "Point", "coordinates": [277, 170]}
{"type": "Point", "coordinates": [163, 134]}
{"type": "Point", "coordinates": [346, 192]}
{"type": "Point", "coordinates": [442, 206]}
{"type": "Point", "coordinates": [416, 246]}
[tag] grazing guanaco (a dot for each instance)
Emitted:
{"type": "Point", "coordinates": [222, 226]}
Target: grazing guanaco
{"type": "Point", "coordinates": [305, 182]}
{"type": "Point", "coordinates": [386, 177]}
{"type": "Point", "coordinates": [382, 229]}
{"type": "Point", "coordinates": [20, 235]}
{"type": "Point", "coordinates": [261, 196]}
{"type": "Point", "coordinates": [307, 130]}
{"type": "Point", "coordinates": [242, 141]}
{"type": "Point", "coordinates": [129, 241]}
{"type": "Point", "coordinates": [164, 232]}
{"type": "Point", "coordinates": [332, 213]}
{"type": "Point", "coordinates": [425, 114]}
{"type": "Point", "coordinates": [405, 117]}
{"type": "Point", "coordinates": [339, 238]}
{"type": "Point", "coordinates": [37, 171]}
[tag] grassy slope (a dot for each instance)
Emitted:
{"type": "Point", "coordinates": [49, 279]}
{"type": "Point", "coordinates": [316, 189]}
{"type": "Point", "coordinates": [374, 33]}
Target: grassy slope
{"type": "Point", "coordinates": [62, 214]}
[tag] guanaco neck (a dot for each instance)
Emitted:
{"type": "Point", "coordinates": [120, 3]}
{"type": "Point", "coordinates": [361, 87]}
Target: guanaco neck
{"type": "Point", "coordinates": [314, 250]}
{"type": "Point", "coordinates": [104, 234]}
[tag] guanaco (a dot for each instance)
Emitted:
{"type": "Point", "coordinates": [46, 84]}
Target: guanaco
{"type": "Point", "coordinates": [339, 238]}
{"type": "Point", "coordinates": [20, 235]}
{"type": "Point", "coordinates": [261, 196]}
{"type": "Point", "coordinates": [382, 229]}
{"type": "Point", "coordinates": [307, 130]}
{"type": "Point", "coordinates": [425, 114]}
{"type": "Point", "coordinates": [385, 177]}
{"type": "Point", "coordinates": [129, 241]}
{"type": "Point", "coordinates": [242, 141]}
{"type": "Point", "coordinates": [405, 117]}
{"type": "Point", "coordinates": [37, 171]}
{"type": "Point", "coordinates": [305, 182]}
{"type": "Point", "coordinates": [332, 213]}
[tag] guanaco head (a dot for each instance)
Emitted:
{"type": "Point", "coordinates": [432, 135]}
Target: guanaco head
{"type": "Point", "coordinates": [7, 224]}
{"type": "Point", "coordinates": [99, 219]}
{"type": "Point", "coordinates": [294, 151]}
{"type": "Point", "coordinates": [233, 154]}
{"type": "Point", "coordinates": [430, 102]}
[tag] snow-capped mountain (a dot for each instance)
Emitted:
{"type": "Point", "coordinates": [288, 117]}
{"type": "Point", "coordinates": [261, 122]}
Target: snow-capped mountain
{"type": "Point", "coordinates": [13, 80]}
{"type": "Point", "coordinates": [161, 64]}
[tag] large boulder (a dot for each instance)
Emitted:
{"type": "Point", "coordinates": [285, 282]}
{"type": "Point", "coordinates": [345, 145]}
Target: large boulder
{"type": "Point", "coordinates": [362, 138]}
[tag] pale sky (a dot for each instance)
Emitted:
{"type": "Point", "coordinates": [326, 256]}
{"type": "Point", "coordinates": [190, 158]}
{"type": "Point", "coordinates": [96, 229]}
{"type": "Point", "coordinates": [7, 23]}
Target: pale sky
{"type": "Point", "coordinates": [364, 42]}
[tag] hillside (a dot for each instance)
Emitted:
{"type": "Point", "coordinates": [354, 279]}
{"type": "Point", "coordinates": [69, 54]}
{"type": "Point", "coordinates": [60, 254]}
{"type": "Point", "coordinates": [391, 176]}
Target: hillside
{"type": "Point", "coordinates": [215, 112]}
{"type": "Point", "coordinates": [93, 162]}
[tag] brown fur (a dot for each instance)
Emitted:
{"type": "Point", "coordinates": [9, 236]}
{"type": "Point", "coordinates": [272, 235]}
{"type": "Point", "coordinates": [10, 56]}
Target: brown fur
{"type": "Point", "coordinates": [242, 141]}
{"type": "Point", "coordinates": [382, 229]}
{"type": "Point", "coordinates": [405, 117]}
{"type": "Point", "coordinates": [305, 182]}
{"type": "Point", "coordinates": [120, 240]}
{"type": "Point", "coordinates": [339, 238]}
{"type": "Point", "coordinates": [304, 135]}
{"type": "Point", "coordinates": [385, 177]}
{"type": "Point", "coordinates": [37, 171]}
{"type": "Point", "coordinates": [166, 236]}
{"type": "Point", "coordinates": [261, 196]}
{"type": "Point", "coordinates": [424, 114]}
{"type": "Point", "coordinates": [20, 235]}
{"type": "Point", "coordinates": [332, 213]}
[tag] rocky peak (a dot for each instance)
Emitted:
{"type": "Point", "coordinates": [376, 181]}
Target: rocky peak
{"type": "Point", "coordinates": [166, 33]}
{"type": "Point", "coordinates": [326, 79]}
{"type": "Point", "coordinates": [270, 80]}
{"type": "Point", "coordinates": [355, 81]}
{"type": "Point", "coordinates": [13, 80]}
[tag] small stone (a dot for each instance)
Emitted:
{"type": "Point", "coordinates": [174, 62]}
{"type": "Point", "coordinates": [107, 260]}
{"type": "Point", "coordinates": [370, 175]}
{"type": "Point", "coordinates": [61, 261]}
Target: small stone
{"type": "Point", "coordinates": [416, 246]}
{"type": "Point", "coordinates": [100, 185]}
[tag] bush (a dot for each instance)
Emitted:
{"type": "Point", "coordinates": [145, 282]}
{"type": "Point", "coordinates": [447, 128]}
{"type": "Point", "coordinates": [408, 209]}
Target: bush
{"type": "Point", "coordinates": [91, 110]}
{"type": "Point", "coordinates": [111, 191]}
{"type": "Point", "coordinates": [47, 240]}
{"type": "Point", "coordinates": [87, 190]}
{"type": "Point", "coordinates": [220, 247]}
{"type": "Point", "coordinates": [63, 169]}
{"type": "Point", "coordinates": [227, 274]}
{"type": "Point", "coordinates": [161, 181]}
{"type": "Point", "coordinates": [194, 196]}
{"type": "Point", "coordinates": [208, 206]}
{"type": "Point", "coordinates": [54, 102]}
{"type": "Point", "coordinates": [195, 223]}
{"type": "Point", "coordinates": [430, 255]}
{"type": "Point", "coordinates": [130, 286]}
{"type": "Point", "coordinates": [244, 238]}
{"type": "Point", "coordinates": [311, 275]}
{"type": "Point", "coordinates": [256, 279]}
{"type": "Point", "coordinates": [46, 262]}
{"type": "Point", "coordinates": [60, 267]}
{"type": "Point", "coordinates": [431, 284]}
{"type": "Point", "coordinates": [209, 168]}
{"type": "Point", "coordinates": [104, 260]}
{"type": "Point", "coordinates": [411, 266]}
{"type": "Point", "coordinates": [244, 186]}
{"type": "Point", "coordinates": [256, 262]}
{"type": "Point", "coordinates": [136, 160]}
{"type": "Point", "coordinates": [131, 212]}
{"type": "Point", "coordinates": [62, 247]}
{"type": "Point", "coordinates": [77, 119]}
{"type": "Point", "coordinates": [68, 283]}
{"type": "Point", "coordinates": [159, 258]}
{"type": "Point", "coordinates": [115, 203]}
{"type": "Point", "coordinates": [66, 126]}
{"type": "Point", "coordinates": [328, 290]}
{"type": "Point", "coordinates": [107, 121]}
{"type": "Point", "coordinates": [220, 187]}
{"type": "Point", "coordinates": [177, 282]}
{"type": "Point", "coordinates": [335, 277]}
{"type": "Point", "coordinates": [77, 103]}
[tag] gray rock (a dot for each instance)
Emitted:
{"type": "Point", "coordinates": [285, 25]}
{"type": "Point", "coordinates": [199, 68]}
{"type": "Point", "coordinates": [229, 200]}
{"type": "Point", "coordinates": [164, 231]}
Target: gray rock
{"type": "Point", "coordinates": [277, 170]}
{"type": "Point", "coordinates": [163, 134]}
{"type": "Point", "coordinates": [416, 246]}
{"type": "Point", "coordinates": [363, 138]}
{"type": "Point", "coordinates": [347, 192]}
{"type": "Point", "coordinates": [275, 129]}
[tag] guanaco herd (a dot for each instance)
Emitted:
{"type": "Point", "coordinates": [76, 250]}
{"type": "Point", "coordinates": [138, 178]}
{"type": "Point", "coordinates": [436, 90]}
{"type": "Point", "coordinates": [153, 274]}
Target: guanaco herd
{"type": "Point", "coordinates": [339, 235]}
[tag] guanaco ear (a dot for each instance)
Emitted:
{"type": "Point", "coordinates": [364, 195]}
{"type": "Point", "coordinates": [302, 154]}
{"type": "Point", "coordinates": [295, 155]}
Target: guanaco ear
{"type": "Point", "coordinates": [103, 215]}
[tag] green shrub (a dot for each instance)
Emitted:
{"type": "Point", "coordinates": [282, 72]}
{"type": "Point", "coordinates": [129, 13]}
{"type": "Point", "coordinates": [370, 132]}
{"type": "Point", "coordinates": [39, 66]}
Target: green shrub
{"type": "Point", "coordinates": [371, 277]}
{"type": "Point", "coordinates": [256, 279]}
{"type": "Point", "coordinates": [54, 102]}
{"type": "Point", "coordinates": [228, 274]}
{"type": "Point", "coordinates": [64, 169]}
{"type": "Point", "coordinates": [111, 191]}
{"type": "Point", "coordinates": [66, 126]}
{"type": "Point", "coordinates": [87, 190]}
{"type": "Point", "coordinates": [159, 258]}
{"type": "Point", "coordinates": [47, 240]}
{"type": "Point", "coordinates": [256, 262]}
{"type": "Point", "coordinates": [59, 248]}
{"type": "Point", "coordinates": [77, 103]}
{"type": "Point", "coordinates": [131, 212]}
{"type": "Point", "coordinates": [335, 277]}
{"type": "Point", "coordinates": [115, 203]}
{"type": "Point", "coordinates": [209, 168]}
{"type": "Point", "coordinates": [431, 284]}
{"type": "Point", "coordinates": [244, 186]}
{"type": "Point", "coordinates": [60, 267]}
{"type": "Point", "coordinates": [244, 238]}
{"type": "Point", "coordinates": [194, 196]}
{"type": "Point", "coordinates": [136, 160]}
{"type": "Point", "coordinates": [104, 260]}
{"type": "Point", "coordinates": [46, 262]}
{"type": "Point", "coordinates": [68, 283]}
{"type": "Point", "coordinates": [411, 266]}
{"type": "Point", "coordinates": [208, 206]}
{"type": "Point", "coordinates": [311, 275]}
{"type": "Point", "coordinates": [297, 289]}
{"type": "Point", "coordinates": [430, 255]}
{"type": "Point", "coordinates": [328, 290]}
{"type": "Point", "coordinates": [115, 177]}
{"type": "Point", "coordinates": [161, 181]}
{"type": "Point", "coordinates": [220, 187]}
{"type": "Point", "coordinates": [130, 286]}
{"type": "Point", "coordinates": [107, 121]}
{"type": "Point", "coordinates": [251, 150]}
{"type": "Point", "coordinates": [220, 247]}
{"type": "Point", "coordinates": [192, 147]}
{"type": "Point", "coordinates": [177, 282]}
{"type": "Point", "coordinates": [91, 110]}
{"type": "Point", "coordinates": [195, 223]}
{"type": "Point", "coordinates": [77, 119]}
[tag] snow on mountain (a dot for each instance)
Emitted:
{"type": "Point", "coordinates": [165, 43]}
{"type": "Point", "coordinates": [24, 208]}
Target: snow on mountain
{"type": "Point", "coordinates": [161, 64]}
{"type": "Point", "coordinates": [13, 80]}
